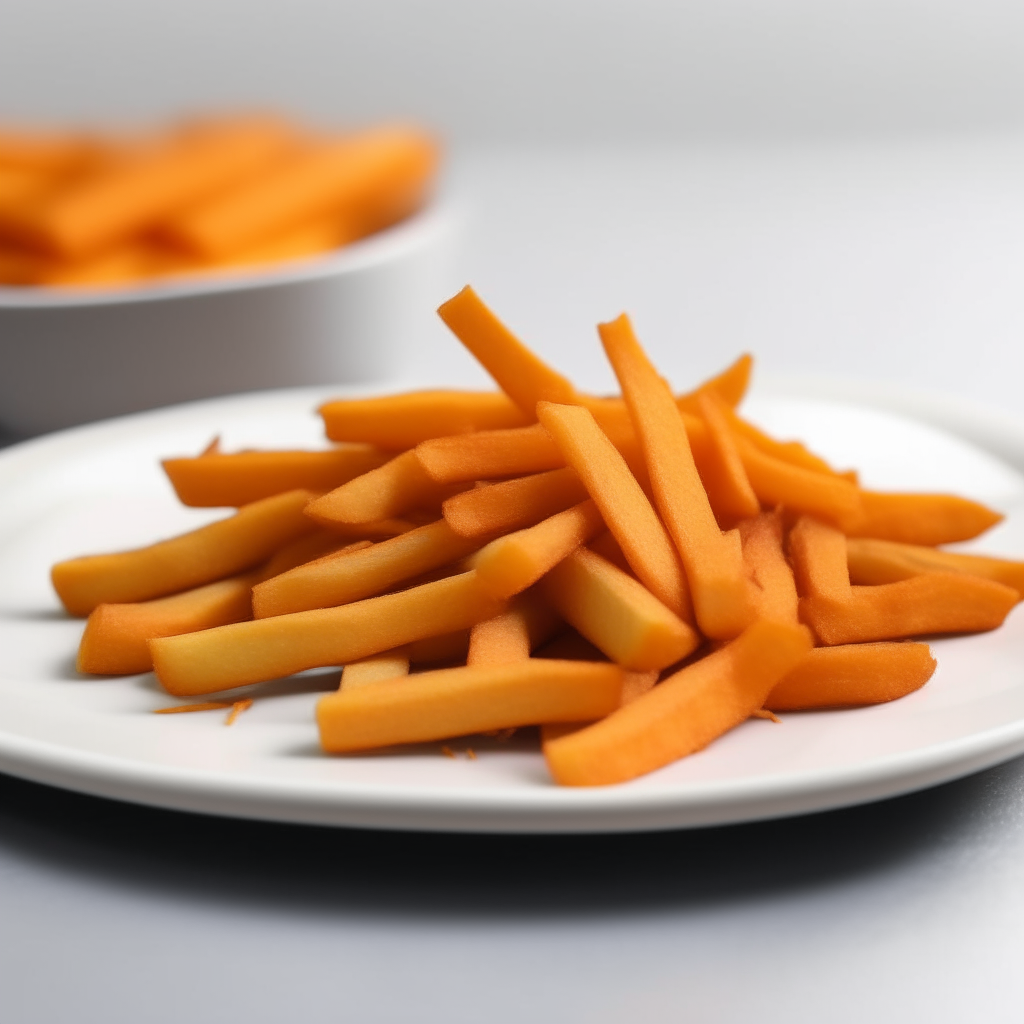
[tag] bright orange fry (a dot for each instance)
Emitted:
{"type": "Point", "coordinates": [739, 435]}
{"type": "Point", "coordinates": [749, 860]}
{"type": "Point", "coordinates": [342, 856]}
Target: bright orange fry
{"type": "Point", "coordinates": [524, 377]}
{"type": "Point", "coordinates": [201, 556]}
{"type": "Point", "coordinates": [488, 454]}
{"type": "Point", "coordinates": [388, 491]}
{"type": "Point", "coordinates": [786, 451]}
{"type": "Point", "coordinates": [852, 675]}
{"type": "Point", "coordinates": [330, 178]}
{"type": "Point", "coordinates": [773, 589]}
{"type": "Point", "coordinates": [375, 669]}
{"type": "Point", "coordinates": [134, 192]}
{"type": "Point", "coordinates": [724, 478]}
{"type": "Point", "coordinates": [683, 713]}
{"type": "Point", "coordinates": [460, 701]}
{"type": "Point", "coordinates": [926, 519]}
{"type": "Point", "coordinates": [801, 490]}
{"type": "Point", "coordinates": [306, 549]}
{"type": "Point", "coordinates": [45, 152]}
{"type": "Point", "coordinates": [398, 422]}
{"type": "Point", "coordinates": [939, 602]}
{"type": "Point", "coordinates": [512, 634]}
{"type": "Point", "coordinates": [262, 649]}
{"type": "Point", "coordinates": [115, 641]}
{"type": "Point", "coordinates": [513, 504]}
{"type": "Point", "coordinates": [872, 561]}
{"type": "Point", "coordinates": [510, 564]}
{"type": "Point", "coordinates": [343, 577]}
{"type": "Point", "coordinates": [617, 614]}
{"type": "Point", "coordinates": [625, 508]}
{"type": "Point", "coordinates": [713, 560]}
{"type": "Point", "coordinates": [242, 477]}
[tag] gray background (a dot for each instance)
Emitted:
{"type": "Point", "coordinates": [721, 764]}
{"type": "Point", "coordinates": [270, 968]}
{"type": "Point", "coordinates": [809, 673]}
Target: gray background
{"type": "Point", "coordinates": [837, 186]}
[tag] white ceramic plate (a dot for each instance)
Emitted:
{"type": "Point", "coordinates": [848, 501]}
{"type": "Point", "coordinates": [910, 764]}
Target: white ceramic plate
{"type": "Point", "coordinates": [100, 487]}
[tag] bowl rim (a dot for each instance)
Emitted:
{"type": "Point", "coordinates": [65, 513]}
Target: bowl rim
{"type": "Point", "coordinates": [408, 235]}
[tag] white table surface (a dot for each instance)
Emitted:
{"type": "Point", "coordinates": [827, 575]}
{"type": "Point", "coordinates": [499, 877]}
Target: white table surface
{"type": "Point", "coordinates": [902, 265]}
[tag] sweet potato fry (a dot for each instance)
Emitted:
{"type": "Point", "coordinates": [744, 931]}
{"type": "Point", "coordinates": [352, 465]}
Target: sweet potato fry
{"type": "Point", "coordinates": [398, 422]}
{"type": "Point", "coordinates": [683, 713]}
{"type": "Point", "coordinates": [135, 192]}
{"type": "Point", "coordinates": [940, 602]}
{"type": "Point", "coordinates": [513, 504]}
{"type": "Point", "coordinates": [724, 478]}
{"type": "Point", "coordinates": [252, 652]}
{"type": "Point", "coordinates": [239, 478]}
{"type": "Point", "coordinates": [510, 564]}
{"type": "Point", "coordinates": [925, 519]}
{"type": "Point", "coordinates": [617, 614]}
{"type": "Point", "coordinates": [341, 578]}
{"type": "Point", "coordinates": [307, 548]}
{"type": "Point", "coordinates": [461, 701]}
{"type": "Point", "coordinates": [713, 560]}
{"type": "Point", "coordinates": [115, 641]}
{"type": "Point", "coordinates": [201, 556]}
{"type": "Point", "coordinates": [488, 454]}
{"type": "Point", "coordinates": [872, 561]}
{"type": "Point", "coordinates": [331, 178]}
{"type": "Point", "coordinates": [512, 634]}
{"type": "Point", "coordinates": [388, 491]}
{"type": "Point", "coordinates": [801, 490]}
{"type": "Point", "coordinates": [625, 508]}
{"type": "Point", "coordinates": [526, 379]}
{"type": "Point", "coordinates": [852, 674]}
{"type": "Point", "coordinates": [375, 669]}
{"type": "Point", "coordinates": [772, 587]}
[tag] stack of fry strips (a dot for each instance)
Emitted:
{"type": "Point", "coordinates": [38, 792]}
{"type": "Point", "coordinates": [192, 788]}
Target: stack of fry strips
{"type": "Point", "coordinates": [636, 575]}
{"type": "Point", "coordinates": [212, 195]}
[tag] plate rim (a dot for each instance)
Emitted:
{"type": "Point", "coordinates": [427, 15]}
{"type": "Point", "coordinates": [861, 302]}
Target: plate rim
{"type": "Point", "coordinates": [542, 810]}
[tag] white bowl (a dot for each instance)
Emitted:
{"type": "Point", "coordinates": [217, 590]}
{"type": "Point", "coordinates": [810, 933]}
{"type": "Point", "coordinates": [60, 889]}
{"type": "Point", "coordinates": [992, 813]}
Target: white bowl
{"type": "Point", "coordinates": [70, 357]}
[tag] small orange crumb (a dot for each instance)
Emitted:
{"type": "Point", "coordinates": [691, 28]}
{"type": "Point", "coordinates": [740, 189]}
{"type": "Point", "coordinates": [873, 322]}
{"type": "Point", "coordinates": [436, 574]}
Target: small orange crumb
{"type": "Point", "coordinates": [210, 705]}
{"type": "Point", "coordinates": [765, 713]}
{"type": "Point", "coordinates": [236, 709]}
{"type": "Point", "coordinates": [470, 753]}
{"type": "Point", "coordinates": [213, 448]}
{"type": "Point", "coordinates": [448, 752]}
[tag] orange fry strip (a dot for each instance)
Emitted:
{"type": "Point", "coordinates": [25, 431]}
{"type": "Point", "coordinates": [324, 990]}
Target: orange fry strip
{"type": "Point", "coordinates": [852, 675]}
{"type": "Point", "coordinates": [713, 560]}
{"type": "Point", "coordinates": [375, 669]}
{"type": "Point", "coordinates": [115, 641]}
{"type": "Point", "coordinates": [524, 377]}
{"type": "Point", "coordinates": [926, 519]}
{"type": "Point", "coordinates": [724, 478]}
{"type": "Point", "coordinates": [489, 453]}
{"type": "Point", "coordinates": [398, 422]}
{"type": "Point", "coordinates": [334, 178]}
{"type": "Point", "coordinates": [873, 561]}
{"type": "Point", "coordinates": [940, 602]}
{"type": "Point", "coordinates": [801, 490]}
{"type": "Point", "coordinates": [617, 614]}
{"type": "Point", "coordinates": [511, 635]}
{"type": "Point", "coordinates": [343, 577]}
{"type": "Point", "coordinates": [683, 713]}
{"type": "Point", "coordinates": [382, 493]}
{"type": "Point", "coordinates": [625, 508]}
{"type": "Point", "coordinates": [510, 564]}
{"type": "Point", "coordinates": [461, 701]}
{"type": "Point", "coordinates": [306, 549]}
{"type": "Point", "coordinates": [513, 504]}
{"type": "Point", "coordinates": [253, 652]}
{"type": "Point", "coordinates": [773, 589]}
{"type": "Point", "coordinates": [201, 556]}
{"type": "Point", "coordinates": [136, 191]}
{"type": "Point", "coordinates": [243, 477]}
